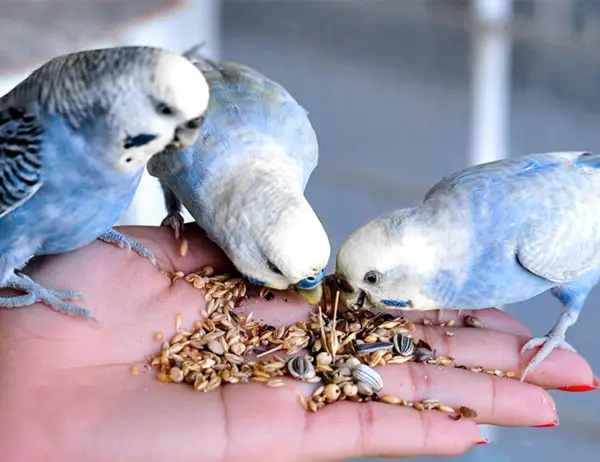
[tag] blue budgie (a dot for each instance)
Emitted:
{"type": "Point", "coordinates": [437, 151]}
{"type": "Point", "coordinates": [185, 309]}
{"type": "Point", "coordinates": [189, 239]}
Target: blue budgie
{"type": "Point", "coordinates": [493, 234]}
{"type": "Point", "coordinates": [244, 179]}
{"type": "Point", "coordinates": [75, 138]}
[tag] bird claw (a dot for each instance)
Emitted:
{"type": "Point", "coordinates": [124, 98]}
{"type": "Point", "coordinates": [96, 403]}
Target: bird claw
{"type": "Point", "coordinates": [548, 343]}
{"type": "Point", "coordinates": [175, 221]}
{"type": "Point", "coordinates": [113, 236]}
{"type": "Point", "coordinates": [36, 293]}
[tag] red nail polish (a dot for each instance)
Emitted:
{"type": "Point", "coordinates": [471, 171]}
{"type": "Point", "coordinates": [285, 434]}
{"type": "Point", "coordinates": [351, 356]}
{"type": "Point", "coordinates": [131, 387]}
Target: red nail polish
{"type": "Point", "coordinates": [578, 388]}
{"type": "Point", "coordinates": [482, 442]}
{"type": "Point", "coordinates": [550, 425]}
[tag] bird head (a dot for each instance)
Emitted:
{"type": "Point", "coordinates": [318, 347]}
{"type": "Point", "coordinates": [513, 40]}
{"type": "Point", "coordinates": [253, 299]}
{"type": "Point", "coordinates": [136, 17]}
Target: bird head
{"type": "Point", "coordinates": [162, 111]}
{"type": "Point", "coordinates": [292, 253]}
{"type": "Point", "coordinates": [389, 263]}
{"type": "Point", "coordinates": [259, 216]}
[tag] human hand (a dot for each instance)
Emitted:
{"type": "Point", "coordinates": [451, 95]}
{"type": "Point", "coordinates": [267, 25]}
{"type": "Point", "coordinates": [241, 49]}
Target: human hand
{"type": "Point", "coordinates": [68, 395]}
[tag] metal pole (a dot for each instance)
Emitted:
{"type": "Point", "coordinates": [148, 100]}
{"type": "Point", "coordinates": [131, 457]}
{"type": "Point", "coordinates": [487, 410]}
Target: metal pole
{"type": "Point", "coordinates": [491, 45]}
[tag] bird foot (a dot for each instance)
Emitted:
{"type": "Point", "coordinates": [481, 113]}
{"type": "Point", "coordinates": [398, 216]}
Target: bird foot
{"type": "Point", "coordinates": [35, 293]}
{"type": "Point", "coordinates": [548, 343]}
{"type": "Point", "coordinates": [175, 221]}
{"type": "Point", "coordinates": [112, 236]}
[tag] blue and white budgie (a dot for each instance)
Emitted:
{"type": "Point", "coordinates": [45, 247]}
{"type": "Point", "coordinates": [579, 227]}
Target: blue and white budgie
{"type": "Point", "coordinates": [75, 137]}
{"type": "Point", "coordinates": [493, 234]}
{"type": "Point", "coordinates": [243, 181]}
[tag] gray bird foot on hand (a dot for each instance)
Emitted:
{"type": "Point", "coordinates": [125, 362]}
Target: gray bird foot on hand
{"type": "Point", "coordinates": [35, 293]}
{"type": "Point", "coordinates": [112, 236]}
{"type": "Point", "coordinates": [548, 343]}
{"type": "Point", "coordinates": [175, 221]}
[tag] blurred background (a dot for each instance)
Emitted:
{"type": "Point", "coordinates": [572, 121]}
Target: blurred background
{"type": "Point", "coordinates": [401, 92]}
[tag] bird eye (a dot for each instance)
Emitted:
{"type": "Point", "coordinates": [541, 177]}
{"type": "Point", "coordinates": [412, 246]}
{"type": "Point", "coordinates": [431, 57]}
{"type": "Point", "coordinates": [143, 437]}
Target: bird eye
{"type": "Point", "coordinates": [372, 277]}
{"type": "Point", "coordinates": [194, 123]}
{"type": "Point", "coordinates": [273, 268]}
{"type": "Point", "coordinates": [163, 109]}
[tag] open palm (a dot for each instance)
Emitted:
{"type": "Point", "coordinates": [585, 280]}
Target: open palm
{"type": "Point", "coordinates": [68, 394]}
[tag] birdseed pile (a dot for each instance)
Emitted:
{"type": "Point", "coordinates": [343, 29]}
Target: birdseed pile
{"type": "Point", "coordinates": [337, 350]}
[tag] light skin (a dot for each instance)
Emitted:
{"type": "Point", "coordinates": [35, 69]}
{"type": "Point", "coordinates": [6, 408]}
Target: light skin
{"type": "Point", "coordinates": [68, 394]}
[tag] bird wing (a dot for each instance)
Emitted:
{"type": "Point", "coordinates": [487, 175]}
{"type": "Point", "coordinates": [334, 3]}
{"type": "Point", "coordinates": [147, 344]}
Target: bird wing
{"type": "Point", "coordinates": [20, 160]}
{"type": "Point", "coordinates": [559, 238]}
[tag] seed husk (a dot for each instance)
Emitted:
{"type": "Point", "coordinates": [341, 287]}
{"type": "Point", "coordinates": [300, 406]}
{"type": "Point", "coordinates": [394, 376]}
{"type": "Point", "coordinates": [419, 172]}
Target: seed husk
{"type": "Point", "coordinates": [366, 348]}
{"type": "Point", "coordinates": [301, 367]}
{"type": "Point", "coordinates": [275, 383]}
{"type": "Point", "coordinates": [403, 345]}
{"type": "Point", "coordinates": [183, 248]}
{"type": "Point", "coordinates": [422, 354]}
{"type": "Point", "coordinates": [467, 412]}
{"type": "Point", "coordinates": [215, 346]}
{"type": "Point", "coordinates": [474, 321]}
{"type": "Point", "coordinates": [390, 399]}
{"type": "Point", "coordinates": [369, 376]}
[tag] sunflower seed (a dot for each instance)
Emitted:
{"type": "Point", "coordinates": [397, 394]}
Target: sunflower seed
{"type": "Point", "coordinates": [404, 345]}
{"type": "Point", "coordinates": [368, 376]}
{"type": "Point", "coordinates": [372, 347]}
{"type": "Point", "coordinates": [301, 368]}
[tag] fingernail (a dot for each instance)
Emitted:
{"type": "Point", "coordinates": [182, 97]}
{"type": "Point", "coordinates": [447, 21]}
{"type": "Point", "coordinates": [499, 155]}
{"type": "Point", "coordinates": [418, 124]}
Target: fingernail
{"type": "Point", "coordinates": [550, 425]}
{"type": "Point", "coordinates": [578, 388]}
{"type": "Point", "coordinates": [596, 382]}
{"type": "Point", "coordinates": [482, 442]}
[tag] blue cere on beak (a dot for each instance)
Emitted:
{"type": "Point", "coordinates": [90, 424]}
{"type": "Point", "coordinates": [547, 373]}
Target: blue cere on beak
{"type": "Point", "coordinates": [254, 281]}
{"type": "Point", "coordinates": [312, 281]}
{"type": "Point", "coordinates": [398, 303]}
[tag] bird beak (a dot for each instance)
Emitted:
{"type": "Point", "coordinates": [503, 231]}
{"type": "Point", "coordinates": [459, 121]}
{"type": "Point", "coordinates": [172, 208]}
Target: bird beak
{"type": "Point", "coordinates": [311, 296]}
{"type": "Point", "coordinates": [187, 133]}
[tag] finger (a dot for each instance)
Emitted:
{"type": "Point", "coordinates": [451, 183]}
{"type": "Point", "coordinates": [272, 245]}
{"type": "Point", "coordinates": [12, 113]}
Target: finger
{"type": "Point", "coordinates": [339, 431]}
{"type": "Point", "coordinates": [495, 350]}
{"type": "Point", "coordinates": [349, 430]}
{"type": "Point", "coordinates": [496, 400]}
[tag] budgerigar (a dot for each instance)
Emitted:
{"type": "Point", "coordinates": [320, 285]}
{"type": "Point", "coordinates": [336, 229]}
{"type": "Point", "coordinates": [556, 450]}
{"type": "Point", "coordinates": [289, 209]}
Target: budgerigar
{"type": "Point", "coordinates": [75, 138]}
{"type": "Point", "coordinates": [244, 179]}
{"type": "Point", "coordinates": [493, 234]}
